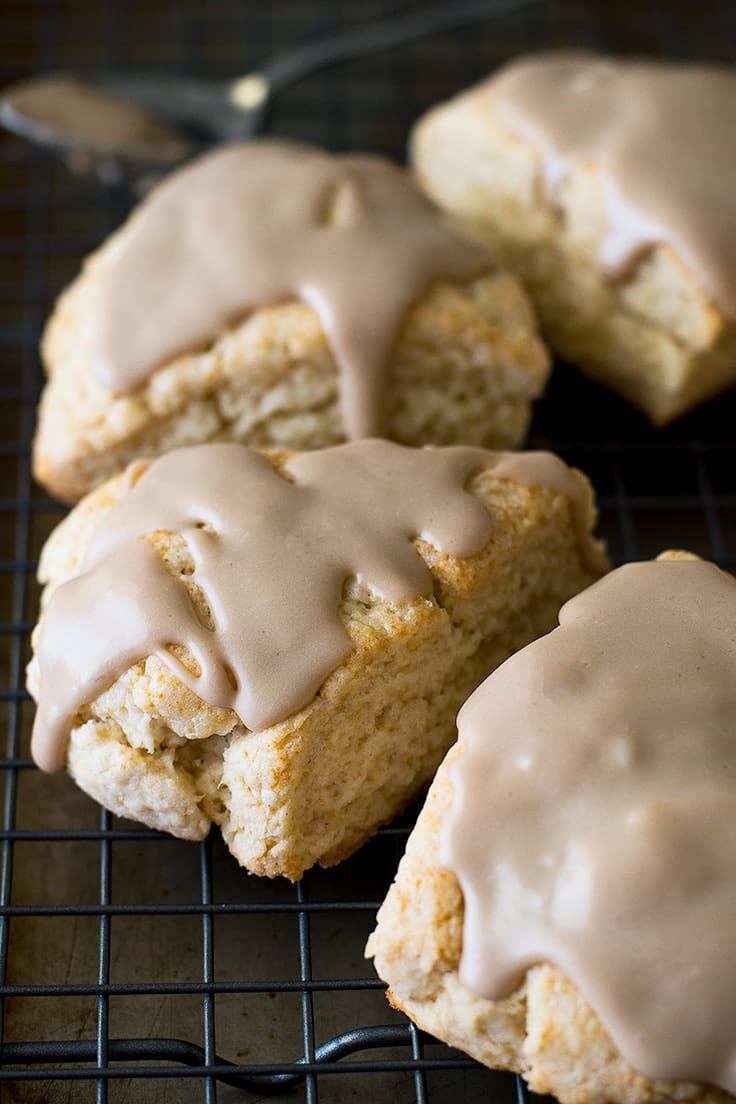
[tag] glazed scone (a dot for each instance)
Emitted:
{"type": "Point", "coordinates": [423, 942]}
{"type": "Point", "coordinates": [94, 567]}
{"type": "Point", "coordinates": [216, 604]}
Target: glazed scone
{"type": "Point", "coordinates": [631, 898]}
{"type": "Point", "coordinates": [306, 719]}
{"type": "Point", "coordinates": [274, 295]}
{"type": "Point", "coordinates": [633, 273]}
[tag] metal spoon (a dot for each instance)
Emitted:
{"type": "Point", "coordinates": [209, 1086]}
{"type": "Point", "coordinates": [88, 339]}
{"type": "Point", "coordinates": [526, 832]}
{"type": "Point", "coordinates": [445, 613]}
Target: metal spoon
{"type": "Point", "coordinates": [91, 129]}
{"type": "Point", "coordinates": [118, 124]}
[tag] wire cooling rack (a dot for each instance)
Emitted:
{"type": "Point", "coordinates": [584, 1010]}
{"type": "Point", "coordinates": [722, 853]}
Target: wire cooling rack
{"type": "Point", "coordinates": [134, 967]}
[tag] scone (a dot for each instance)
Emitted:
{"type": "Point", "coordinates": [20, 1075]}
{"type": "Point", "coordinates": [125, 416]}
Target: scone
{"type": "Point", "coordinates": [609, 188]}
{"type": "Point", "coordinates": [279, 643]}
{"type": "Point", "coordinates": [275, 295]}
{"type": "Point", "coordinates": [566, 903]}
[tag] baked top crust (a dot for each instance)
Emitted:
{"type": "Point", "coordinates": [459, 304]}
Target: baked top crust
{"type": "Point", "coordinates": [426, 944]}
{"type": "Point", "coordinates": [225, 309]}
{"type": "Point", "coordinates": [305, 788]}
{"type": "Point", "coordinates": [652, 329]}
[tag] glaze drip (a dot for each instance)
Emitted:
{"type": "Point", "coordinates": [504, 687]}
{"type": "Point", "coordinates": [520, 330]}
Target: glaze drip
{"type": "Point", "coordinates": [269, 554]}
{"type": "Point", "coordinates": [260, 223]}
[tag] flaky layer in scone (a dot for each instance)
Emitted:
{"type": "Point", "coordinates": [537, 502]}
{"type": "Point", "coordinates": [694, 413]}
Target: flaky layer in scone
{"type": "Point", "coordinates": [653, 334]}
{"type": "Point", "coordinates": [314, 787]}
{"type": "Point", "coordinates": [545, 1030]}
{"type": "Point", "coordinates": [466, 367]}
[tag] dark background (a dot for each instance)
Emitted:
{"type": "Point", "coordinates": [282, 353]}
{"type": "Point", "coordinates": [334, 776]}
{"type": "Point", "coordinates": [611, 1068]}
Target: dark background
{"type": "Point", "coordinates": [111, 932]}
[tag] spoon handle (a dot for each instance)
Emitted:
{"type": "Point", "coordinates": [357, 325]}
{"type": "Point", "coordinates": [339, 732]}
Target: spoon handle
{"type": "Point", "coordinates": [253, 92]}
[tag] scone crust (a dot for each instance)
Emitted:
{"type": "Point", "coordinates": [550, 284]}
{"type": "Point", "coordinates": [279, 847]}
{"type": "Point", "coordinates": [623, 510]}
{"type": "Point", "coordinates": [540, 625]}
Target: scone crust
{"type": "Point", "coordinates": [653, 335]}
{"type": "Point", "coordinates": [545, 1030]}
{"type": "Point", "coordinates": [465, 368]}
{"type": "Point", "coordinates": [313, 787]}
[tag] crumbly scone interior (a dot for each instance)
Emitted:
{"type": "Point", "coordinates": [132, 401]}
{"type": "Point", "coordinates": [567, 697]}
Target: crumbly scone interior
{"type": "Point", "coordinates": [315, 786]}
{"type": "Point", "coordinates": [653, 335]}
{"type": "Point", "coordinates": [545, 1030]}
{"type": "Point", "coordinates": [467, 364]}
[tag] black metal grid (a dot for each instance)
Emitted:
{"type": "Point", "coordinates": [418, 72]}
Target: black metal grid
{"type": "Point", "coordinates": [68, 868]}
